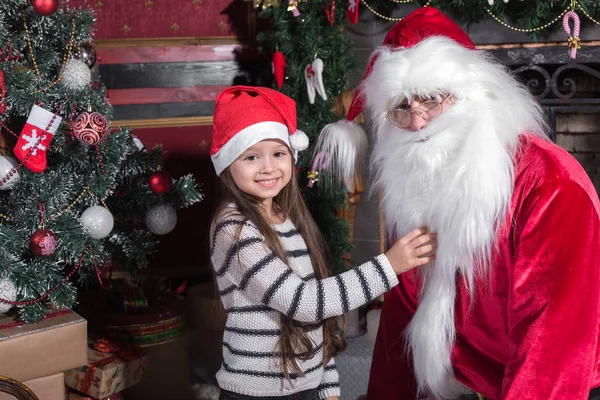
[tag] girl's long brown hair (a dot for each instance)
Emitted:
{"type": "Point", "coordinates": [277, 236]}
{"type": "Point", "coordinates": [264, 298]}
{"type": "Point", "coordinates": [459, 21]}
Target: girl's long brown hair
{"type": "Point", "coordinates": [294, 342]}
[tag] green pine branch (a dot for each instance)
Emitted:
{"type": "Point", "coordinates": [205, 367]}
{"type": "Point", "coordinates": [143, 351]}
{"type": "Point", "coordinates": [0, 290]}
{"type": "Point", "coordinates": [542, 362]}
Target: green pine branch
{"type": "Point", "coordinates": [301, 40]}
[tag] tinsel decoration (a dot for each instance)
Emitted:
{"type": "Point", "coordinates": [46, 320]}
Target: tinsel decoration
{"type": "Point", "coordinates": [2, 93]}
{"type": "Point", "coordinates": [266, 3]}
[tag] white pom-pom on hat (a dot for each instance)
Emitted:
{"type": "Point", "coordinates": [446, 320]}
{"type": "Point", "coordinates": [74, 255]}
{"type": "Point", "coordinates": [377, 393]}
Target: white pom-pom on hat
{"type": "Point", "coordinates": [299, 140]}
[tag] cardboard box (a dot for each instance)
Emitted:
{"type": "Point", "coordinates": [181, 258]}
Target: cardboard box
{"type": "Point", "coordinates": [50, 387]}
{"type": "Point", "coordinates": [55, 344]}
{"type": "Point", "coordinates": [108, 373]}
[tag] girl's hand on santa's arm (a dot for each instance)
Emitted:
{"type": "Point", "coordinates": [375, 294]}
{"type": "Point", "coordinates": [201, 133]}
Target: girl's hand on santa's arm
{"type": "Point", "coordinates": [414, 249]}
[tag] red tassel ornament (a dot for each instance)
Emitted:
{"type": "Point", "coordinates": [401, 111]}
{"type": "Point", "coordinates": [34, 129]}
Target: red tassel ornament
{"type": "Point", "coordinates": [279, 68]}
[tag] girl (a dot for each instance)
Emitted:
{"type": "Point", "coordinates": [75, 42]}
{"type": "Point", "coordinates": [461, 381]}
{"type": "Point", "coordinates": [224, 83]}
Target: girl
{"type": "Point", "coordinates": [283, 327]}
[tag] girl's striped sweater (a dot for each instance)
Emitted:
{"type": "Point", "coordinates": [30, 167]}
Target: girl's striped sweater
{"type": "Point", "coordinates": [256, 287]}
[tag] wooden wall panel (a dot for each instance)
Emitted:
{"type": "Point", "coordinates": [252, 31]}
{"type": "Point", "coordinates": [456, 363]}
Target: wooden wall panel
{"type": "Point", "coordinates": [117, 19]}
{"type": "Point", "coordinates": [166, 81]}
{"type": "Point", "coordinates": [163, 63]}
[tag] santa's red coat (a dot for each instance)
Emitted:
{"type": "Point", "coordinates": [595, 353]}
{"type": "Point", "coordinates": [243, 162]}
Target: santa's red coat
{"type": "Point", "coordinates": [532, 333]}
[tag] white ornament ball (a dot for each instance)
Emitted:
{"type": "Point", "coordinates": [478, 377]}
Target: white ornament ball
{"type": "Point", "coordinates": [8, 291]}
{"type": "Point", "coordinates": [6, 165]}
{"type": "Point", "coordinates": [97, 221]}
{"type": "Point", "coordinates": [77, 74]}
{"type": "Point", "coordinates": [161, 219]}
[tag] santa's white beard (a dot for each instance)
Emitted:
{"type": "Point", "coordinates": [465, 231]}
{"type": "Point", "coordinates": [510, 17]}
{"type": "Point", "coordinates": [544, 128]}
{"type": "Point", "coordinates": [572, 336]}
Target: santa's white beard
{"type": "Point", "coordinates": [458, 183]}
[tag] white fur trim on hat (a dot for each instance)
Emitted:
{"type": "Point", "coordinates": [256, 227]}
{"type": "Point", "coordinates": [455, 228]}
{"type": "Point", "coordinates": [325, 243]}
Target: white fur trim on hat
{"type": "Point", "coordinates": [247, 138]}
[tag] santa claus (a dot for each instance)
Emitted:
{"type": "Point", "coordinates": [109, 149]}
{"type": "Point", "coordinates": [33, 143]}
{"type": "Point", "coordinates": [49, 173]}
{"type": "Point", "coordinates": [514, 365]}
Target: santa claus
{"type": "Point", "coordinates": [510, 308]}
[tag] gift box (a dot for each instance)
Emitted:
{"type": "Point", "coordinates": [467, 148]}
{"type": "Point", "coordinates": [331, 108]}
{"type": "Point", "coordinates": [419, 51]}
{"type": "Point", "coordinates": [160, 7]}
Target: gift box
{"type": "Point", "coordinates": [55, 344]}
{"type": "Point", "coordinates": [111, 368]}
{"type": "Point", "coordinates": [50, 387]}
{"type": "Point", "coordinates": [148, 328]}
{"type": "Point", "coordinates": [74, 395]}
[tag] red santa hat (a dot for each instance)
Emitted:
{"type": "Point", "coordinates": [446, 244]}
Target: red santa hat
{"type": "Point", "coordinates": [246, 115]}
{"type": "Point", "coordinates": [394, 76]}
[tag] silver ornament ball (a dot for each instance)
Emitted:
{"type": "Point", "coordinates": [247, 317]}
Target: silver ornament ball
{"type": "Point", "coordinates": [97, 222]}
{"type": "Point", "coordinates": [87, 54]}
{"type": "Point", "coordinates": [161, 219]}
{"type": "Point", "coordinates": [8, 291]}
{"type": "Point", "coordinates": [6, 165]}
{"type": "Point", "coordinates": [77, 75]}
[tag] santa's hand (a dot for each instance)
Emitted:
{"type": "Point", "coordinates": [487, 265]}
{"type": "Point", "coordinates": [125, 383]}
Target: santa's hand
{"type": "Point", "coordinates": [414, 249]}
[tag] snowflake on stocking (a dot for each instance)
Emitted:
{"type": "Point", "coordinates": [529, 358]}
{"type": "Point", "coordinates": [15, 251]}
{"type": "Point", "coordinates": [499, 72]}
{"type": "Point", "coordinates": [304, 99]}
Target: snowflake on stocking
{"type": "Point", "coordinates": [32, 141]}
{"type": "Point", "coordinates": [352, 11]}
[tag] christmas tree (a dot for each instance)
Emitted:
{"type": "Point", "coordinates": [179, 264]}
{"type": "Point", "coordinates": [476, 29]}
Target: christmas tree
{"type": "Point", "coordinates": [310, 39]}
{"type": "Point", "coordinates": [75, 196]}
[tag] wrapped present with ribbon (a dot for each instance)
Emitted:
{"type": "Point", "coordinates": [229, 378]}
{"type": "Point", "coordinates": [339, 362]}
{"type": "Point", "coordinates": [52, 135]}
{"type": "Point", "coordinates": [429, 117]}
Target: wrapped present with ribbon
{"type": "Point", "coordinates": [75, 395]}
{"type": "Point", "coordinates": [111, 368]}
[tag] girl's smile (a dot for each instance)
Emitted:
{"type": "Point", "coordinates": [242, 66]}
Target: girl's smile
{"type": "Point", "coordinates": [263, 170]}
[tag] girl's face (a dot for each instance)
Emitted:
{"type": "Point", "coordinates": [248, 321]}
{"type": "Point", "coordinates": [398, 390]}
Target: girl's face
{"type": "Point", "coordinates": [263, 170]}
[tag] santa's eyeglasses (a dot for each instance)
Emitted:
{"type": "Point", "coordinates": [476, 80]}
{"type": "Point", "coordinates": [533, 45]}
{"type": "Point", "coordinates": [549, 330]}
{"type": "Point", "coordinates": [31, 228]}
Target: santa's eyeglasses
{"type": "Point", "coordinates": [427, 110]}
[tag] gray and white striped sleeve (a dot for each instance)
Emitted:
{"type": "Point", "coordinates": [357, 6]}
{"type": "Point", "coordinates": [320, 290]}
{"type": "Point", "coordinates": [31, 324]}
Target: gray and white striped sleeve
{"type": "Point", "coordinates": [330, 385]}
{"type": "Point", "coordinates": [257, 271]}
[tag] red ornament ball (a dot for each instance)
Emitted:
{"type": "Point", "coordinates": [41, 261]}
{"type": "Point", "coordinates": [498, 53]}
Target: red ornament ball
{"type": "Point", "coordinates": [160, 182]}
{"type": "Point", "coordinates": [43, 242]}
{"type": "Point", "coordinates": [44, 7]}
{"type": "Point", "coordinates": [90, 128]}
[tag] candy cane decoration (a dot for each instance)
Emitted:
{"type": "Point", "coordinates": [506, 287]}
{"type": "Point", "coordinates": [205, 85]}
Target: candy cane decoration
{"type": "Point", "coordinates": [574, 42]}
{"type": "Point", "coordinates": [293, 7]}
{"type": "Point", "coordinates": [321, 162]}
